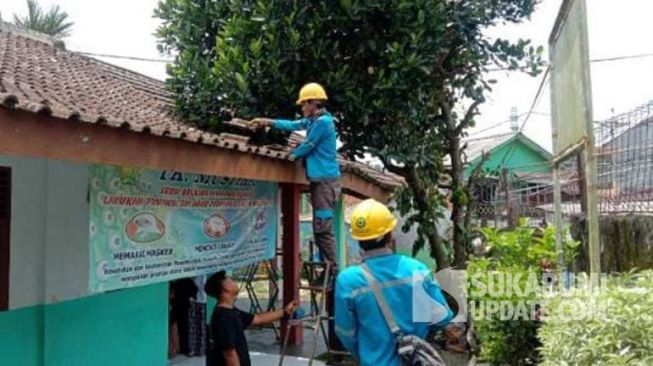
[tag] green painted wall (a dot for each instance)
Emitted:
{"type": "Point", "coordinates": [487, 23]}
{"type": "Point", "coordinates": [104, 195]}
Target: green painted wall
{"type": "Point", "coordinates": [21, 336]}
{"type": "Point", "coordinates": [126, 327]}
{"type": "Point", "coordinates": [516, 156]}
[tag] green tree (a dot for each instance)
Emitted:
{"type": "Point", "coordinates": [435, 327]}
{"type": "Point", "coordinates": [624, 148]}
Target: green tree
{"type": "Point", "coordinates": [404, 78]}
{"type": "Point", "coordinates": [53, 22]}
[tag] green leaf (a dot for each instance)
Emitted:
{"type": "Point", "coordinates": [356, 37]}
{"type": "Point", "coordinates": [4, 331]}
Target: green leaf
{"type": "Point", "coordinates": [241, 82]}
{"type": "Point", "coordinates": [255, 47]}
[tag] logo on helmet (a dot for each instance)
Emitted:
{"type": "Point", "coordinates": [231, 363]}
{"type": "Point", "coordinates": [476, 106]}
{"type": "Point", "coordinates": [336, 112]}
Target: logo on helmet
{"type": "Point", "coordinates": [360, 223]}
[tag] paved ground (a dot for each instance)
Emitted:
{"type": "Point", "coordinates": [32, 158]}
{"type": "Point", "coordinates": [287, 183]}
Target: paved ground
{"type": "Point", "coordinates": [258, 359]}
{"type": "Point", "coordinates": [264, 340]}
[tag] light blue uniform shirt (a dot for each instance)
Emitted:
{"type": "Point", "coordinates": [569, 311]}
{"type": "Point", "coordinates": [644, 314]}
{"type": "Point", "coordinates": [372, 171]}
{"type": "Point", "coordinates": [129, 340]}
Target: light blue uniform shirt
{"type": "Point", "coordinates": [360, 325]}
{"type": "Point", "coordinates": [319, 146]}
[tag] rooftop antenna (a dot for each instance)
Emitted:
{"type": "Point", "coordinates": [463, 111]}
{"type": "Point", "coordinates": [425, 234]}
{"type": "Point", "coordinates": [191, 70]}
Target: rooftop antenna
{"type": "Point", "coordinates": [514, 123]}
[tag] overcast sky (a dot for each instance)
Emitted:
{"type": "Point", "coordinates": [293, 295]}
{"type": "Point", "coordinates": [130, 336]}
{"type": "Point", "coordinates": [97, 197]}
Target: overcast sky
{"type": "Point", "coordinates": [616, 28]}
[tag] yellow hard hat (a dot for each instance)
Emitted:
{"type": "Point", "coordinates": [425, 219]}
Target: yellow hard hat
{"type": "Point", "coordinates": [371, 220]}
{"type": "Point", "coordinates": [311, 91]}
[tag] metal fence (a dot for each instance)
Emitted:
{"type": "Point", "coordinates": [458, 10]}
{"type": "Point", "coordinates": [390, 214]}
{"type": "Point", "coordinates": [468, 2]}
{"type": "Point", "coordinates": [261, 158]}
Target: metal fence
{"type": "Point", "coordinates": [625, 161]}
{"type": "Point", "coordinates": [624, 151]}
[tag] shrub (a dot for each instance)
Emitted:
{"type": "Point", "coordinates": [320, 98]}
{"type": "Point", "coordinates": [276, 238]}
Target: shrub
{"type": "Point", "coordinates": [518, 256]}
{"type": "Point", "coordinates": [611, 326]}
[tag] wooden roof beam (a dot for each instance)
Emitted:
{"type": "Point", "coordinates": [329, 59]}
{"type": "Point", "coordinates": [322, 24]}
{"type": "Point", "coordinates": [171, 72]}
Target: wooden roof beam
{"type": "Point", "coordinates": [27, 134]}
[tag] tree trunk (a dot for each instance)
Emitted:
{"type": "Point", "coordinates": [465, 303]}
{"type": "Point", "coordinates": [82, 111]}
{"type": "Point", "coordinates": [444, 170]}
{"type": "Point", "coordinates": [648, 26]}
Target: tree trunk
{"type": "Point", "coordinates": [422, 205]}
{"type": "Point", "coordinates": [458, 201]}
{"type": "Point", "coordinates": [471, 205]}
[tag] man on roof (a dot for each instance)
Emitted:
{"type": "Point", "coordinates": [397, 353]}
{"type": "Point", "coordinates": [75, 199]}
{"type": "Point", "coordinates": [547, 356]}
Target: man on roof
{"type": "Point", "coordinates": [322, 168]}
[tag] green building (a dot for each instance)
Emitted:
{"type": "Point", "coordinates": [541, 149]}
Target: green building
{"type": "Point", "coordinates": [516, 177]}
{"type": "Point", "coordinates": [513, 151]}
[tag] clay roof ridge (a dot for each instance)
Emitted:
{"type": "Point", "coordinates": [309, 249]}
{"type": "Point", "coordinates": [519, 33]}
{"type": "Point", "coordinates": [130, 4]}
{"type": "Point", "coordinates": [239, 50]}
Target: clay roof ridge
{"type": "Point", "coordinates": [33, 35]}
{"type": "Point", "coordinates": [112, 68]}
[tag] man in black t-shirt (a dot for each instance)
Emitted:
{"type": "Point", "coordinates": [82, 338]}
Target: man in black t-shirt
{"type": "Point", "coordinates": [228, 345]}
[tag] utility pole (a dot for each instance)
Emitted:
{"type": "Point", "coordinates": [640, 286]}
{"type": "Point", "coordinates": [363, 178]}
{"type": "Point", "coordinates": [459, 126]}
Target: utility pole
{"type": "Point", "coordinates": [590, 158]}
{"type": "Point", "coordinates": [572, 122]}
{"type": "Point", "coordinates": [514, 120]}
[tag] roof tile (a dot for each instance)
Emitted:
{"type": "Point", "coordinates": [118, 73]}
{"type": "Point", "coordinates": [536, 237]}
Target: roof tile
{"type": "Point", "coordinates": [39, 76]}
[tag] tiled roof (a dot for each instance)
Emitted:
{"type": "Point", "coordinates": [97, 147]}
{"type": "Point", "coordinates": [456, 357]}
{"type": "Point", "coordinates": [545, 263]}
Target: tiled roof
{"type": "Point", "coordinates": [38, 75]}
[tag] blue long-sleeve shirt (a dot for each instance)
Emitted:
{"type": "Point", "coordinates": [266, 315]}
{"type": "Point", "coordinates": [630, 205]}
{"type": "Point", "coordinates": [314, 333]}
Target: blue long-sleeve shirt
{"type": "Point", "coordinates": [319, 146]}
{"type": "Point", "coordinates": [360, 325]}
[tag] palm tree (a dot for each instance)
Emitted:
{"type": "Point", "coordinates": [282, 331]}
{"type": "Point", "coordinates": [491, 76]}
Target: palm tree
{"type": "Point", "coordinates": [53, 22]}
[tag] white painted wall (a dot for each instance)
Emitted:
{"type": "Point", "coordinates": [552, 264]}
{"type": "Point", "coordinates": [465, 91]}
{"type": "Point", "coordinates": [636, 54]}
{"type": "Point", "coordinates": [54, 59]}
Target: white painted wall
{"type": "Point", "coordinates": [27, 223]}
{"type": "Point", "coordinates": [49, 231]}
{"type": "Point", "coordinates": [67, 231]}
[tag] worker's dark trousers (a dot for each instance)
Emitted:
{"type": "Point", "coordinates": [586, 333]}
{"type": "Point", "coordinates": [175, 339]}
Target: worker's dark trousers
{"type": "Point", "coordinates": [324, 194]}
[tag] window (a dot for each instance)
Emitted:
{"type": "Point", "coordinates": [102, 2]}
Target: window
{"type": "Point", "coordinates": [5, 220]}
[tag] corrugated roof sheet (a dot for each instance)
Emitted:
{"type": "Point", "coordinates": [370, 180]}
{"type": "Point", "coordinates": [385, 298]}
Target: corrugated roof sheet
{"type": "Point", "coordinates": [475, 147]}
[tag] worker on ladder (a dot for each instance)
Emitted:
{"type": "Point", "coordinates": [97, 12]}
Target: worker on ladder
{"type": "Point", "coordinates": [322, 167]}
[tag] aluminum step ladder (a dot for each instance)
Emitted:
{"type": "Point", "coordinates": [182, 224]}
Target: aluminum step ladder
{"type": "Point", "coordinates": [320, 282]}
